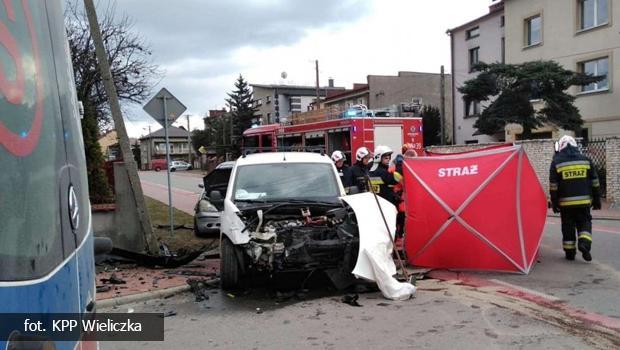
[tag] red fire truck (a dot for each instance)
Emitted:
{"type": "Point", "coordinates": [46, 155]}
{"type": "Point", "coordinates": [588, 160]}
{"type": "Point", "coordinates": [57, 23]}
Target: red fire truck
{"type": "Point", "coordinates": [346, 134]}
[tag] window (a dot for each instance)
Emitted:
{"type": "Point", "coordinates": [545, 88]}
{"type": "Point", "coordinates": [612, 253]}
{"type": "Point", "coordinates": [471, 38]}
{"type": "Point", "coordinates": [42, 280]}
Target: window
{"type": "Point", "coordinates": [503, 50]}
{"type": "Point", "coordinates": [473, 58]}
{"type": "Point", "coordinates": [259, 102]}
{"type": "Point", "coordinates": [598, 67]}
{"type": "Point", "coordinates": [472, 108]}
{"type": "Point", "coordinates": [268, 117]}
{"type": "Point", "coordinates": [268, 99]}
{"type": "Point", "coordinates": [593, 13]}
{"type": "Point", "coordinates": [533, 30]}
{"type": "Point", "coordinates": [473, 33]}
{"type": "Point", "coordinates": [502, 21]}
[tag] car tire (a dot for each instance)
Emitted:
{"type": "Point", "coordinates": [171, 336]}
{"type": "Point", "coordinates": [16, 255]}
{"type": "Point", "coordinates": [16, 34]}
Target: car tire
{"type": "Point", "coordinates": [229, 265]}
{"type": "Point", "coordinates": [197, 231]}
{"type": "Point", "coordinates": [157, 168]}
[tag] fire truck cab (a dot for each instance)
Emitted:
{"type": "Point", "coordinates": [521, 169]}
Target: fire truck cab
{"type": "Point", "coordinates": [346, 134]}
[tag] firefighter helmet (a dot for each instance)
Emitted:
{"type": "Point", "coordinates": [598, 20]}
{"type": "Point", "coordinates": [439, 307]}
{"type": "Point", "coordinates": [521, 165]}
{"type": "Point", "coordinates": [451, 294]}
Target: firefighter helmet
{"type": "Point", "coordinates": [338, 156]}
{"type": "Point", "coordinates": [361, 153]}
{"type": "Point", "coordinates": [565, 141]}
{"type": "Point", "coordinates": [381, 151]}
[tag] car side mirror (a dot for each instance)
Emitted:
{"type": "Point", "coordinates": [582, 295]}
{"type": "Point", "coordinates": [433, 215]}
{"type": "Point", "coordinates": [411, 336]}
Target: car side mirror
{"type": "Point", "coordinates": [215, 196]}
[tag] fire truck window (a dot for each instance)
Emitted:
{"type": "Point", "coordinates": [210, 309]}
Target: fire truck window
{"type": "Point", "coordinates": [340, 141]}
{"type": "Point", "coordinates": [290, 143]}
{"type": "Point", "coordinates": [250, 141]}
{"type": "Point", "coordinates": [267, 139]}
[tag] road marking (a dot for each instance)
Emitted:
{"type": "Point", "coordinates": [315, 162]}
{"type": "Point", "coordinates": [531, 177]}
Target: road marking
{"type": "Point", "coordinates": [174, 189]}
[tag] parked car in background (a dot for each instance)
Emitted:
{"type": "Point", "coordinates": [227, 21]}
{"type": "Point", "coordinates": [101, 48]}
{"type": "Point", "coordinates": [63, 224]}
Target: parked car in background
{"type": "Point", "coordinates": [211, 202]}
{"type": "Point", "coordinates": [159, 164]}
{"type": "Point", "coordinates": [180, 165]}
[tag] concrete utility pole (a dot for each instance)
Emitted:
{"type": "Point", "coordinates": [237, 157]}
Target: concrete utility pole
{"type": "Point", "coordinates": [443, 106]}
{"type": "Point", "coordinates": [189, 142]}
{"type": "Point", "coordinates": [318, 97]}
{"type": "Point", "coordinates": [130, 164]}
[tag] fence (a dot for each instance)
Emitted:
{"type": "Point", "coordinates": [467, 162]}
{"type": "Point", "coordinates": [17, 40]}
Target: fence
{"type": "Point", "coordinates": [595, 149]}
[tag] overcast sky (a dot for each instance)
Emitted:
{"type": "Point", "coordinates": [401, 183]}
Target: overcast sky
{"type": "Point", "coordinates": [203, 45]}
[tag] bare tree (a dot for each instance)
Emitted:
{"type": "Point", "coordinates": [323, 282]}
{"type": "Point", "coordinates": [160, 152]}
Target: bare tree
{"type": "Point", "coordinates": [129, 55]}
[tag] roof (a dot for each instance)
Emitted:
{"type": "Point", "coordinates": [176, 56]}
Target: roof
{"type": "Point", "coordinates": [300, 87]}
{"type": "Point", "coordinates": [493, 10]}
{"type": "Point", "coordinates": [173, 131]}
{"type": "Point", "coordinates": [281, 157]}
{"type": "Point", "coordinates": [347, 93]}
{"type": "Point", "coordinates": [261, 129]}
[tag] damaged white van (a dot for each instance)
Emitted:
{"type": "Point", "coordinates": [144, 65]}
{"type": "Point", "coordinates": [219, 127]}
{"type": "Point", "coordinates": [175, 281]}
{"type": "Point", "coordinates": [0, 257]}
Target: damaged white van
{"type": "Point", "coordinates": [283, 212]}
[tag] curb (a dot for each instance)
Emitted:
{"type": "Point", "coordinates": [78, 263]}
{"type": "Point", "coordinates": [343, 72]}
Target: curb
{"type": "Point", "coordinates": [133, 298]}
{"type": "Point", "coordinates": [535, 297]}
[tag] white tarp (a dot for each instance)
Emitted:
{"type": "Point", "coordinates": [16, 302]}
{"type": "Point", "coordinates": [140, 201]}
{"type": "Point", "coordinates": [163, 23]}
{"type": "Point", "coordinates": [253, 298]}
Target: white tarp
{"type": "Point", "coordinates": [374, 261]}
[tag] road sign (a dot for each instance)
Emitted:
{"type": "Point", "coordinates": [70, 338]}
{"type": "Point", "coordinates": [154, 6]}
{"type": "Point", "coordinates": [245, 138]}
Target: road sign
{"type": "Point", "coordinates": [202, 150]}
{"type": "Point", "coordinates": [162, 104]}
{"type": "Point", "coordinates": [165, 109]}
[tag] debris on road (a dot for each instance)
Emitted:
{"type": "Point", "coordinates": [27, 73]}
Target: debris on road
{"type": "Point", "coordinates": [113, 280]}
{"type": "Point", "coordinates": [170, 313]}
{"type": "Point", "coordinates": [200, 288]}
{"type": "Point", "coordinates": [104, 288]}
{"type": "Point", "coordinates": [351, 299]}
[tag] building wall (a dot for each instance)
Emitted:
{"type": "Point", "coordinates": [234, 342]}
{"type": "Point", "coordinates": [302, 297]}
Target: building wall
{"type": "Point", "coordinates": [562, 42]}
{"type": "Point", "coordinates": [387, 91]}
{"type": "Point", "coordinates": [349, 101]}
{"type": "Point", "coordinates": [264, 107]}
{"type": "Point", "coordinates": [490, 51]}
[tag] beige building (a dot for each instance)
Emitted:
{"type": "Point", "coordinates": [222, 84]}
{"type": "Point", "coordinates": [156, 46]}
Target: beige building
{"type": "Point", "coordinates": [480, 40]}
{"type": "Point", "coordinates": [582, 35]}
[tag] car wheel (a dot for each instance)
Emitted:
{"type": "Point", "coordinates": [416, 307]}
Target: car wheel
{"type": "Point", "coordinates": [172, 170]}
{"type": "Point", "coordinates": [157, 168]}
{"type": "Point", "coordinates": [229, 265]}
{"type": "Point", "coordinates": [197, 231]}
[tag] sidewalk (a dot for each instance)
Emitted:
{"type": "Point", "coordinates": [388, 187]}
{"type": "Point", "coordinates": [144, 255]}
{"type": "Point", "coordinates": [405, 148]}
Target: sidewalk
{"type": "Point", "coordinates": [605, 213]}
{"type": "Point", "coordinates": [131, 280]}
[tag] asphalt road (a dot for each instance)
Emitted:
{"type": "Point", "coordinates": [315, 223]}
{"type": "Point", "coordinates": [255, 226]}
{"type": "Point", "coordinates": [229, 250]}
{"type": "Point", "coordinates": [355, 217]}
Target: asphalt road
{"type": "Point", "coordinates": [185, 190]}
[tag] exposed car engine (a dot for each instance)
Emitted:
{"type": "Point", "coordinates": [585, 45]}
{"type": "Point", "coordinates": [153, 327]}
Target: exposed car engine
{"type": "Point", "coordinates": [294, 239]}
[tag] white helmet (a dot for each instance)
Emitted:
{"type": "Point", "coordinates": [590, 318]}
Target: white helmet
{"type": "Point", "coordinates": [361, 153]}
{"type": "Point", "coordinates": [381, 151]}
{"type": "Point", "coordinates": [338, 156]}
{"type": "Point", "coordinates": [565, 141]}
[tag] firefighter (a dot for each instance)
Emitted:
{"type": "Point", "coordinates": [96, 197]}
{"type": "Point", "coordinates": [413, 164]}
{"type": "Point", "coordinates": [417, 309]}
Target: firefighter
{"type": "Point", "coordinates": [574, 188]}
{"type": "Point", "coordinates": [381, 180]}
{"type": "Point", "coordinates": [345, 173]}
{"type": "Point", "coordinates": [407, 151]}
{"type": "Point", "coordinates": [359, 170]}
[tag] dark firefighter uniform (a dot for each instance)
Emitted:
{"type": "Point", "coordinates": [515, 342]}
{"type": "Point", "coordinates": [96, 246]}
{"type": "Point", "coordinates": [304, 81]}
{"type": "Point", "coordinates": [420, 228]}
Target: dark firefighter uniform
{"type": "Point", "coordinates": [346, 176]}
{"type": "Point", "coordinates": [358, 176]}
{"type": "Point", "coordinates": [383, 181]}
{"type": "Point", "coordinates": [574, 188]}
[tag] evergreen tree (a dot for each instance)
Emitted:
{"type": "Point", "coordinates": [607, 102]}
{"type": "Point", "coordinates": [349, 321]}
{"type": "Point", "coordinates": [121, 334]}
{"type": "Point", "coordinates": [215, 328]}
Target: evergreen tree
{"type": "Point", "coordinates": [511, 87]}
{"type": "Point", "coordinates": [241, 103]}
{"type": "Point", "coordinates": [431, 125]}
{"type": "Point", "coordinates": [98, 187]}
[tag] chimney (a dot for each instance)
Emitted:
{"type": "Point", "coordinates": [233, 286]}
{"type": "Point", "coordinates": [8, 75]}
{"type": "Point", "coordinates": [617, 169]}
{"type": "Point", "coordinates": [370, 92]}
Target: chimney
{"type": "Point", "coordinates": [331, 82]}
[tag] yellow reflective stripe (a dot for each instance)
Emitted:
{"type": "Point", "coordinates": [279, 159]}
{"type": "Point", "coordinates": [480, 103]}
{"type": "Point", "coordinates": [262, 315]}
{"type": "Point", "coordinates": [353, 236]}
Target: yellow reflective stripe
{"type": "Point", "coordinates": [398, 177]}
{"type": "Point", "coordinates": [570, 203]}
{"type": "Point", "coordinates": [585, 236]}
{"type": "Point", "coordinates": [569, 246]}
{"type": "Point", "coordinates": [573, 168]}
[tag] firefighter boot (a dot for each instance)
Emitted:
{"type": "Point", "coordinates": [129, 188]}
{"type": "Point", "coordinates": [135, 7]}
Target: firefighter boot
{"type": "Point", "coordinates": [570, 254]}
{"type": "Point", "coordinates": [584, 244]}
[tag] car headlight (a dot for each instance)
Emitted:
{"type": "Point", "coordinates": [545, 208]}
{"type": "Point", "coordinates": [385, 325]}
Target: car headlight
{"type": "Point", "coordinates": [207, 207]}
